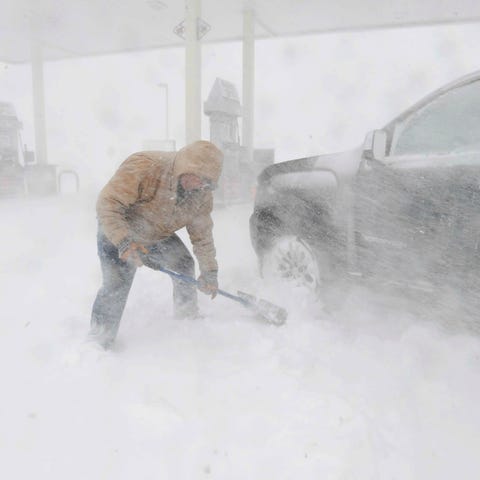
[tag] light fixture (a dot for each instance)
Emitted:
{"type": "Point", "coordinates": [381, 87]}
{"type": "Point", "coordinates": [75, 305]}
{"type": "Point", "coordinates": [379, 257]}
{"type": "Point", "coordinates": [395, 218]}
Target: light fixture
{"type": "Point", "coordinates": [156, 4]}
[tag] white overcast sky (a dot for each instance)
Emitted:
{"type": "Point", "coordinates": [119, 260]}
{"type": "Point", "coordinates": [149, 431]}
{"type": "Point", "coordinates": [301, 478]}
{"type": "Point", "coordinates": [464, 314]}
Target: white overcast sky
{"type": "Point", "coordinates": [313, 94]}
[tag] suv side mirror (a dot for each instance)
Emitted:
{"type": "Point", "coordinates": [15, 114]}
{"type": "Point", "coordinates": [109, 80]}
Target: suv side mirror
{"type": "Point", "coordinates": [375, 146]}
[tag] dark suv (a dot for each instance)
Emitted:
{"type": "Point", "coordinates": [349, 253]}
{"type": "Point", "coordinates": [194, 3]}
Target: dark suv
{"type": "Point", "coordinates": [403, 209]}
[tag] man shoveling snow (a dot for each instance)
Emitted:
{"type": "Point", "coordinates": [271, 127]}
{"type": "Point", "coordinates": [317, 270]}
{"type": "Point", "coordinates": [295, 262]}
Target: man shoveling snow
{"type": "Point", "coordinates": [149, 198]}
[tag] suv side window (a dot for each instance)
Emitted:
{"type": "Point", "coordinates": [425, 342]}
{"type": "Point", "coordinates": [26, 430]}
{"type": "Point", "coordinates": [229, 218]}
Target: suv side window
{"type": "Point", "coordinates": [449, 123]}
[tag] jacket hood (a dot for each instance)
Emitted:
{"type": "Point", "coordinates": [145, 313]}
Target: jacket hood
{"type": "Point", "coordinates": [200, 158]}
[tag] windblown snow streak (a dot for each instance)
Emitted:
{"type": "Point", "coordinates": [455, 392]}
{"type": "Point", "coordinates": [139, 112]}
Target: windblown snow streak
{"type": "Point", "coordinates": [367, 392]}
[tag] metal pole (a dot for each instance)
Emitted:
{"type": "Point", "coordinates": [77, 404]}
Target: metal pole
{"type": "Point", "coordinates": [166, 112]}
{"type": "Point", "coordinates": [38, 98]}
{"type": "Point", "coordinates": [248, 81]}
{"type": "Point", "coordinates": [165, 86]}
{"type": "Point", "coordinates": [193, 104]}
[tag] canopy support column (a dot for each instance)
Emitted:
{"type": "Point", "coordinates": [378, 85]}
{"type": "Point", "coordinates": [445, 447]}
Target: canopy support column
{"type": "Point", "coordinates": [248, 84]}
{"type": "Point", "coordinates": [193, 72]}
{"type": "Point", "coordinates": [38, 99]}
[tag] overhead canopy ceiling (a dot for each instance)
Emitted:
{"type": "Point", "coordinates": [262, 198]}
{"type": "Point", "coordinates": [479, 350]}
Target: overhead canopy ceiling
{"type": "Point", "coordinates": [73, 28]}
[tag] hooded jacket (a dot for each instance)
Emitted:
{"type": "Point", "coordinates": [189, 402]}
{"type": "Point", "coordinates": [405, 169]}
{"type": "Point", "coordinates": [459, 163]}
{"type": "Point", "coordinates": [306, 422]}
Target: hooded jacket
{"type": "Point", "coordinates": [141, 202]}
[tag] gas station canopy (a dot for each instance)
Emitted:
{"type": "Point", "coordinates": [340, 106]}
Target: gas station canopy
{"type": "Point", "coordinates": [72, 28]}
{"type": "Point", "coordinates": [37, 31]}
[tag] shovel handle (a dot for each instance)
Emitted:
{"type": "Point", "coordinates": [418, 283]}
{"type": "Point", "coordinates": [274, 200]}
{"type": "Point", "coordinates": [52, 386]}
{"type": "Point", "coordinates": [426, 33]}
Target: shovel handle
{"type": "Point", "coordinates": [192, 281]}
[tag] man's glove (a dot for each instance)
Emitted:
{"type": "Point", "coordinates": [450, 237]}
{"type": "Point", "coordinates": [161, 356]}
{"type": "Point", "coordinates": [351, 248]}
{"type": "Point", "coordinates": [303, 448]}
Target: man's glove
{"type": "Point", "coordinates": [208, 283]}
{"type": "Point", "coordinates": [130, 253]}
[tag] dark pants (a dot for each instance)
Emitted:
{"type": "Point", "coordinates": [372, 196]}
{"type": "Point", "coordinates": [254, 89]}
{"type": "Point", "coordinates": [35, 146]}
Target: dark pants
{"type": "Point", "coordinates": [118, 275]}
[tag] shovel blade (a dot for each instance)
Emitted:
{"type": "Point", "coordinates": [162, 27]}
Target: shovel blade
{"type": "Point", "coordinates": [264, 309]}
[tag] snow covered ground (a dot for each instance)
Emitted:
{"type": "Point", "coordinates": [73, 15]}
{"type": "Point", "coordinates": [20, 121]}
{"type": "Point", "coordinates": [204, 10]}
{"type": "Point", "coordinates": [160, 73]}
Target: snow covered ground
{"type": "Point", "coordinates": [365, 393]}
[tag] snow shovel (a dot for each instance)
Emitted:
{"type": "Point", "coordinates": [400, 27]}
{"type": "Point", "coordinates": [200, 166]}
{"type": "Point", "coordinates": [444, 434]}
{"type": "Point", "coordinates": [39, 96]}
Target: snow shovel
{"type": "Point", "coordinates": [264, 310]}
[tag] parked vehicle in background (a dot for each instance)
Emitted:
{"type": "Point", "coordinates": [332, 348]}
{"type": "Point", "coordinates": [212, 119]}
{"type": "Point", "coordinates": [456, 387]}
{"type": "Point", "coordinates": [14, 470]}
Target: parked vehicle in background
{"type": "Point", "coordinates": [12, 157]}
{"type": "Point", "coordinates": [20, 174]}
{"type": "Point", "coordinates": [402, 210]}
